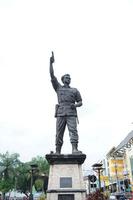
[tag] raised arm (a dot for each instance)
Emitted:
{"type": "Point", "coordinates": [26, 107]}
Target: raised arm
{"type": "Point", "coordinates": [51, 66]}
{"type": "Point", "coordinates": [54, 80]}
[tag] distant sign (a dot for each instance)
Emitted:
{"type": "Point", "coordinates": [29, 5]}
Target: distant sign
{"type": "Point", "coordinates": [92, 178]}
{"type": "Point", "coordinates": [104, 178]}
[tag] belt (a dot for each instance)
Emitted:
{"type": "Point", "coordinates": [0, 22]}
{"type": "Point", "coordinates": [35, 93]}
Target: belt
{"type": "Point", "coordinates": [65, 104]}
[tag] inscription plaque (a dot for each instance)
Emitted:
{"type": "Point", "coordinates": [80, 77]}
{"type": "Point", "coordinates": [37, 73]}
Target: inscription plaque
{"type": "Point", "coordinates": [65, 182]}
{"type": "Point", "coordinates": [66, 197]}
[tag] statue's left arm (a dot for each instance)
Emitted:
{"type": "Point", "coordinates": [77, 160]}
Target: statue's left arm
{"type": "Point", "coordinates": [78, 100]}
{"type": "Point", "coordinates": [75, 105]}
{"type": "Point", "coordinates": [78, 104]}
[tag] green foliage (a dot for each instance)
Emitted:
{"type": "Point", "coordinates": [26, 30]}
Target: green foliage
{"type": "Point", "coordinates": [8, 164]}
{"type": "Point", "coordinates": [43, 171]}
{"type": "Point", "coordinates": [23, 177]}
{"type": "Point", "coordinates": [39, 184]}
{"type": "Point", "coordinates": [6, 185]}
{"type": "Point", "coordinates": [17, 175]}
{"type": "Point", "coordinates": [42, 197]}
{"type": "Point", "coordinates": [42, 163]}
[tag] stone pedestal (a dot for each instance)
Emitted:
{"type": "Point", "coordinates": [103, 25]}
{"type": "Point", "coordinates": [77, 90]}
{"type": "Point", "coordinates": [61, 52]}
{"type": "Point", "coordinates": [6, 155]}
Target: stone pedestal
{"type": "Point", "coordinates": [65, 177]}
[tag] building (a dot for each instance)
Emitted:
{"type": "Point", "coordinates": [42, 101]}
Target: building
{"type": "Point", "coordinates": [125, 148]}
{"type": "Point", "coordinates": [120, 165]}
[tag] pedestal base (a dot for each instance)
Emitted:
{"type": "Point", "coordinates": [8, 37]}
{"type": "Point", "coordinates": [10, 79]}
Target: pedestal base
{"type": "Point", "coordinates": [65, 177]}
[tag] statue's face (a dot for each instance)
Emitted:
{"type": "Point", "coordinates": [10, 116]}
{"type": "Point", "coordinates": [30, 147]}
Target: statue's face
{"type": "Point", "coordinates": [66, 79]}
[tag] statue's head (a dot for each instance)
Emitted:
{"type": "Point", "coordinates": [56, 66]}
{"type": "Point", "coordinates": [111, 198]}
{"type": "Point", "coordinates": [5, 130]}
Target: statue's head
{"type": "Point", "coordinates": [66, 79]}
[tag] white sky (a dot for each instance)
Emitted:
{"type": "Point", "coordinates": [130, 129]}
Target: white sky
{"type": "Point", "coordinates": [93, 42]}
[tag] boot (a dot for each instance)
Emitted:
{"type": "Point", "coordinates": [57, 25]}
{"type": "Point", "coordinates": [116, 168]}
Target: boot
{"type": "Point", "coordinates": [75, 149]}
{"type": "Point", "coordinates": [58, 149]}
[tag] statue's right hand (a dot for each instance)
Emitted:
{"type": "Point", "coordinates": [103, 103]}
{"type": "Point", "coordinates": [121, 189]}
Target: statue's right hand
{"type": "Point", "coordinates": [52, 58]}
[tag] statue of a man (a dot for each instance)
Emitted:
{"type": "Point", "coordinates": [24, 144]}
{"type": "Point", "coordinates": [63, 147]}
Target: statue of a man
{"type": "Point", "coordinates": [68, 100]}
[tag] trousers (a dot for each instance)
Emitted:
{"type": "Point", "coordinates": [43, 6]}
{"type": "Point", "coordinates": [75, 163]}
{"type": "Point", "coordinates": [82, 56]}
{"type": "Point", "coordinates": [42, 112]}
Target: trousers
{"type": "Point", "coordinates": [61, 123]}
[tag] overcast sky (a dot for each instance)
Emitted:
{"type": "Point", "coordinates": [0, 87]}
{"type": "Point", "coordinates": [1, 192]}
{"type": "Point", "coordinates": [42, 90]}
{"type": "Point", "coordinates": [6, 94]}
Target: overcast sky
{"type": "Point", "coordinates": [93, 42]}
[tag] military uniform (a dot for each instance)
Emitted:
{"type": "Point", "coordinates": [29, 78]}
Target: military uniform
{"type": "Point", "coordinates": [65, 114]}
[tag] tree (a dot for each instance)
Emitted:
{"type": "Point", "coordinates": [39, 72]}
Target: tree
{"type": "Point", "coordinates": [8, 165]}
{"type": "Point", "coordinates": [42, 163]}
{"type": "Point", "coordinates": [23, 178]}
{"type": "Point", "coordinates": [43, 171]}
{"type": "Point", "coordinates": [39, 184]}
{"type": "Point", "coordinates": [39, 175]}
{"type": "Point", "coordinates": [17, 175]}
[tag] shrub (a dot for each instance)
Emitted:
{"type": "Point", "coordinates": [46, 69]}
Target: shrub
{"type": "Point", "coordinates": [96, 196]}
{"type": "Point", "coordinates": [42, 197]}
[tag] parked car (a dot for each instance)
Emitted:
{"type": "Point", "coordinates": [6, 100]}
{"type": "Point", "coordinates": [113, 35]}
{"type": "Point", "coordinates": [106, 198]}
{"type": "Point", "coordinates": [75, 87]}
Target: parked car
{"type": "Point", "coordinates": [112, 196]}
{"type": "Point", "coordinates": [118, 196]}
{"type": "Point", "coordinates": [37, 195]}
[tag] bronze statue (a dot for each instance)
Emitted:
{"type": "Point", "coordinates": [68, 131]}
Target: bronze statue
{"type": "Point", "coordinates": [65, 111]}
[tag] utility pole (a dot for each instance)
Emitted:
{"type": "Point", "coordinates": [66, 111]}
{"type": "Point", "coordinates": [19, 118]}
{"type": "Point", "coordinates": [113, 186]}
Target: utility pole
{"type": "Point", "coordinates": [89, 184]}
{"type": "Point", "coordinates": [33, 169]}
{"type": "Point", "coordinates": [116, 174]}
{"type": "Point", "coordinates": [97, 167]}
